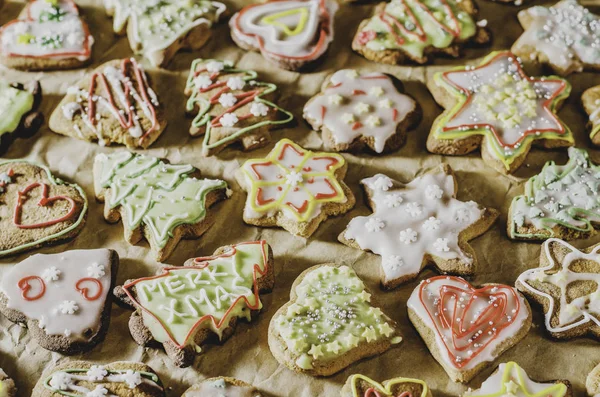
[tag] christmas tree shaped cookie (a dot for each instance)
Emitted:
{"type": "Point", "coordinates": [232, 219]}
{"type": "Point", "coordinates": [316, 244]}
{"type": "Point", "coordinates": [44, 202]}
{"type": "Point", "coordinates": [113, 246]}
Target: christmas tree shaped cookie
{"type": "Point", "coordinates": [363, 386]}
{"type": "Point", "coordinates": [561, 201]}
{"type": "Point", "coordinates": [48, 35]}
{"type": "Point", "coordinates": [160, 202]}
{"type": "Point", "coordinates": [498, 107]}
{"type": "Point", "coordinates": [418, 223]}
{"type": "Point", "coordinates": [231, 106]}
{"type": "Point", "coordinates": [124, 108]}
{"type": "Point", "coordinates": [159, 29]}
{"type": "Point", "coordinates": [329, 323]}
{"type": "Point", "coordinates": [182, 307]}
{"type": "Point", "coordinates": [591, 104]}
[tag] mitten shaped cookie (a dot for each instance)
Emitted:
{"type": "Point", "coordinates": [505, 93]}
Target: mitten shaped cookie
{"type": "Point", "coordinates": [160, 202]}
{"type": "Point", "coordinates": [207, 297]}
{"type": "Point", "coordinates": [63, 299]}
{"type": "Point", "coordinates": [222, 387]}
{"type": "Point", "coordinates": [362, 386]}
{"type": "Point", "coordinates": [124, 108]}
{"type": "Point", "coordinates": [7, 385]}
{"type": "Point", "coordinates": [409, 31]}
{"type": "Point", "coordinates": [158, 30]}
{"type": "Point", "coordinates": [329, 323]}
{"type": "Point", "coordinates": [18, 105]}
{"type": "Point", "coordinates": [561, 201]}
{"type": "Point", "coordinates": [48, 35]}
{"type": "Point", "coordinates": [291, 33]}
{"type": "Point", "coordinates": [591, 104]}
{"type": "Point", "coordinates": [565, 36]}
{"type": "Point", "coordinates": [295, 188]}
{"type": "Point", "coordinates": [81, 378]}
{"type": "Point", "coordinates": [37, 207]}
{"type": "Point", "coordinates": [229, 105]}
{"type": "Point", "coordinates": [566, 286]}
{"type": "Point", "coordinates": [355, 110]}
{"type": "Point", "coordinates": [465, 338]}
{"type": "Point", "coordinates": [417, 224]}
{"type": "Point", "coordinates": [495, 106]}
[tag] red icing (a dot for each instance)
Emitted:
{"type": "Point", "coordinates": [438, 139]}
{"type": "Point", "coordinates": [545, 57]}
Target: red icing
{"type": "Point", "coordinates": [374, 393]}
{"type": "Point", "coordinates": [327, 195]}
{"type": "Point", "coordinates": [43, 202]}
{"type": "Point", "coordinates": [85, 291]}
{"type": "Point", "coordinates": [259, 197]}
{"type": "Point", "coordinates": [287, 146]}
{"type": "Point", "coordinates": [25, 287]}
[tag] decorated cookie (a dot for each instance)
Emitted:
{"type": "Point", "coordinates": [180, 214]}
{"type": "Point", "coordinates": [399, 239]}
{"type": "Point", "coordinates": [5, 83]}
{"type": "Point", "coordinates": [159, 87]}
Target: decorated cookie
{"type": "Point", "coordinates": [48, 35]}
{"type": "Point", "coordinates": [329, 323]}
{"type": "Point", "coordinates": [124, 108]}
{"type": "Point", "coordinates": [567, 287]}
{"type": "Point", "coordinates": [222, 387]}
{"type": "Point", "coordinates": [182, 307]}
{"type": "Point", "coordinates": [159, 29]}
{"type": "Point", "coordinates": [230, 106]}
{"type": "Point", "coordinates": [466, 328]}
{"type": "Point", "coordinates": [290, 33]}
{"type": "Point", "coordinates": [63, 299]}
{"type": "Point", "coordinates": [418, 223]}
{"type": "Point", "coordinates": [356, 110]}
{"type": "Point", "coordinates": [511, 380]}
{"type": "Point", "coordinates": [565, 36]}
{"type": "Point", "coordinates": [84, 379]}
{"type": "Point", "coordinates": [18, 104]}
{"type": "Point", "coordinates": [591, 104]}
{"type": "Point", "coordinates": [37, 207]}
{"type": "Point", "coordinates": [295, 188]}
{"type": "Point", "coordinates": [404, 31]}
{"type": "Point", "coordinates": [362, 386]}
{"type": "Point", "coordinates": [497, 107]}
{"type": "Point", "coordinates": [7, 385]}
{"type": "Point", "coordinates": [160, 202]}
{"type": "Point", "coordinates": [561, 201]}
{"type": "Point", "coordinates": [592, 382]}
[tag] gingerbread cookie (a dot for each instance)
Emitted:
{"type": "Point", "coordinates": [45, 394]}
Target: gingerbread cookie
{"type": "Point", "coordinates": [329, 323]}
{"type": "Point", "coordinates": [38, 208]}
{"type": "Point", "coordinates": [63, 299]}
{"type": "Point", "coordinates": [222, 387]}
{"type": "Point", "coordinates": [561, 201]}
{"type": "Point", "coordinates": [81, 378]}
{"type": "Point", "coordinates": [499, 108]}
{"type": "Point", "coordinates": [404, 31]}
{"type": "Point", "coordinates": [591, 104]}
{"type": "Point", "coordinates": [230, 106]}
{"type": "Point", "coordinates": [418, 223]}
{"type": "Point", "coordinates": [48, 35]}
{"type": "Point", "coordinates": [592, 383]}
{"type": "Point", "coordinates": [291, 33]}
{"type": "Point", "coordinates": [565, 36]}
{"type": "Point", "coordinates": [206, 296]}
{"type": "Point", "coordinates": [295, 188]}
{"type": "Point", "coordinates": [512, 380]}
{"type": "Point", "coordinates": [158, 30]}
{"type": "Point", "coordinates": [160, 202]}
{"type": "Point", "coordinates": [567, 286]}
{"type": "Point", "coordinates": [7, 385]}
{"type": "Point", "coordinates": [18, 105]}
{"type": "Point", "coordinates": [362, 386]}
{"type": "Point", "coordinates": [465, 338]}
{"type": "Point", "coordinates": [124, 108]}
{"type": "Point", "coordinates": [355, 110]}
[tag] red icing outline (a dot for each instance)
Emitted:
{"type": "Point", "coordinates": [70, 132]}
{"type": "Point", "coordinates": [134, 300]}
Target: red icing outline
{"type": "Point", "coordinates": [84, 291]}
{"type": "Point", "coordinates": [25, 287]}
{"type": "Point", "coordinates": [43, 202]}
{"type": "Point", "coordinates": [371, 392]}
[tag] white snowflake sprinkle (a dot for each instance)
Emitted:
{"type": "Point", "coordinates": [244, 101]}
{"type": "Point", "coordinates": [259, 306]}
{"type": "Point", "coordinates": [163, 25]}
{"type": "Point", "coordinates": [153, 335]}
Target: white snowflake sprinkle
{"type": "Point", "coordinates": [96, 270]}
{"type": "Point", "coordinates": [374, 225]}
{"type": "Point", "coordinates": [393, 262]}
{"type": "Point", "coordinates": [229, 119]}
{"type": "Point", "coordinates": [68, 307]}
{"type": "Point", "coordinates": [259, 109]}
{"type": "Point", "coordinates": [408, 236]}
{"type": "Point", "coordinates": [393, 200]}
{"type": "Point", "coordinates": [236, 83]}
{"type": "Point", "coordinates": [60, 381]}
{"type": "Point", "coordinates": [215, 66]}
{"type": "Point", "coordinates": [383, 183]}
{"type": "Point", "coordinates": [132, 378]}
{"type": "Point", "coordinates": [441, 245]}
{"type": "Point", "coordinates": [227, 100]}
{"type": "Point", "coordinates": [433, 192]}
{"type": "Point", "coordinates": [51, 274]}
{"type": "Point", "coordinates": [96, 373]}
{"type": "Point", "coordinates": [202, 82]}
{"type": "Point", "coordinates": [414, 209]}
{"type": "Point", "coordinates": [432, 223]}
{"type": "Point", "coordinates": [293, 178]}
{"type": "Point", "coordinates": [99, 391]}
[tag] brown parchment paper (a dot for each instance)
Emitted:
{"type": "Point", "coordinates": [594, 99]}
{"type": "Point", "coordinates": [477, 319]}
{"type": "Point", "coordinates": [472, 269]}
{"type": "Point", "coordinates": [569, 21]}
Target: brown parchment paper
{"type": "Point", "coordinates": [246, 355]}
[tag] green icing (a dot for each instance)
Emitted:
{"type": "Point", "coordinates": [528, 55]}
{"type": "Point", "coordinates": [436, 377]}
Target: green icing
{"type": "Point", "coordinates": [431, 15]}
{"type": "Point", "coordinates": [162, 196]}
{"type": "Point", "coordinates": [80, 374]}
{"type": "Point", "coordinates": [330, 316]}
{"type": "Point", "coordinates": [14, 104]}
{"type": "Point", "coordinates": [185, 299]}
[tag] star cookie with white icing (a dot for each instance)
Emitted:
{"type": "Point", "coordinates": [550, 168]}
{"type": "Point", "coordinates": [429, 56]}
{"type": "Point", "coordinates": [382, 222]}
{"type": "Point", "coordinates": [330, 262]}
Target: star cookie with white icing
{"type": "Point", "coordinates": [495, 106]}
{"type": "Point", "coordinates": [417, 224]}
{"type": "Point", "coordinates": [591, 104]}
{"type": "Point", "coordinates": [355, 110]}
{"type": "Point", "coordinates": [567, 286]}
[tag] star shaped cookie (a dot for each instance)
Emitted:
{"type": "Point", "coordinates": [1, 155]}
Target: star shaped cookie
{"type": "Point", "coordinates": [416, 224]}
{"type": "Point", "coordinates": [565, 36]}
{"type": "Point", "coordinates": [566, 285]}
{"type": "Point", "coordinates": [355, 110]}
{"type": "Point", "coordinates": [363, 386]}
{"type": "Point", "coordinates": [499, 108]}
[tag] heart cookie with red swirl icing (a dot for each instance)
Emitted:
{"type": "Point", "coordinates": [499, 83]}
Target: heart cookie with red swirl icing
{"type": "Point", "coordinates": [467, 328]}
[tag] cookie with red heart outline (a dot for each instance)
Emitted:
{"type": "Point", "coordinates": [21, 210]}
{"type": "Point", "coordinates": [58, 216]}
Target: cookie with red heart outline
{"type": "Point", "coordinates": [222, 387]}
{"type": "Point", "coordinates": [64, 299]}
{"type": "Point", "coordinates": [467, 328]}
{"type": "Point", "coordinates": [7, 385]}
{"type": "Point", "coordinates": [38, 208]}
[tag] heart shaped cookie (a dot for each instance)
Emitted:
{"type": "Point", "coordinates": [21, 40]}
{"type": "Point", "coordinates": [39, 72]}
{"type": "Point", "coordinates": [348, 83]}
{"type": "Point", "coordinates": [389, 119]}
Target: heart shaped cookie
{"type": "Point", "coordinates": [362, 386]}
{"type": "Point", "coordinates": [464, 327]}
